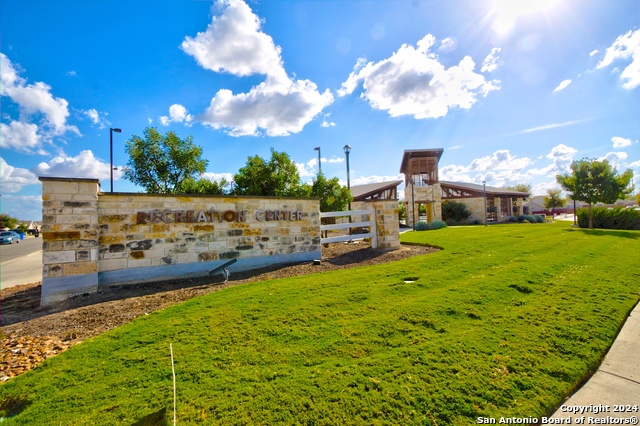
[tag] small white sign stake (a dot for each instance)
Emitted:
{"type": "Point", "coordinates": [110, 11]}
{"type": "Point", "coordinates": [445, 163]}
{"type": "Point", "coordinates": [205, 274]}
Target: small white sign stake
{"type": "Point", "coordinates": [173, 372]}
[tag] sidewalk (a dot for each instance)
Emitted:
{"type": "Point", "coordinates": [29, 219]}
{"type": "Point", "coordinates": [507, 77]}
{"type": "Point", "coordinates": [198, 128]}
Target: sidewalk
{"type": "Point", "coordinates": [615, 383]}
{"type": "Point", "coordinates": [21, 270]}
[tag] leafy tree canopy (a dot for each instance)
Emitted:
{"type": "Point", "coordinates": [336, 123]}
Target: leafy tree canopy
{"type": "Point", "coordinates": [7, 221]}
{"type": "Point", "coordinates": [163, 164]}
{"type": "Point", "coordinates": [277, 177]}
{"type": "Point", "coordinates": [521, 187]}
{"type": "Point", "coordinates": [333, 196]}
{"type": "Point", "coordinates": [203, 186]}
{"type": "Point", "coordinates": [594, 181]}
{"type": "Point", "coordinates": [553, 199]}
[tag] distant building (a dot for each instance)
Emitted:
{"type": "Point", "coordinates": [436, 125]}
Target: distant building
{"type": "Point", "coordinates": [423, 186]}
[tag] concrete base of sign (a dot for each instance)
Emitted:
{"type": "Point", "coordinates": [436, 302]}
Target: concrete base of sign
{"type": "Point", "coordinates": [187, 270]}
{"type": "Point", "coordinates": [57, 289]}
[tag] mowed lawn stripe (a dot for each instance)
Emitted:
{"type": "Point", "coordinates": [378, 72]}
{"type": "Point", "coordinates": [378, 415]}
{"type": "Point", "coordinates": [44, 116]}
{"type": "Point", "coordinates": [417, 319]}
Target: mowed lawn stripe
{"type": "Point", "coordinates": [504, 321]}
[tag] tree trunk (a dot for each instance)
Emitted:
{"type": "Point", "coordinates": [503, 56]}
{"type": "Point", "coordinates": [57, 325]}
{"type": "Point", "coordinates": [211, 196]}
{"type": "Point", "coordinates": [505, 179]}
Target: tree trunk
{"type": "Point", "coordinates": [590, 218]}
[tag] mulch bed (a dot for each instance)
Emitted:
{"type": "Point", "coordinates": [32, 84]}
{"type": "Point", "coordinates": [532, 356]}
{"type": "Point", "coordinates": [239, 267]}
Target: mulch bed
{"type": "Point", "coordinates": [31, 333]}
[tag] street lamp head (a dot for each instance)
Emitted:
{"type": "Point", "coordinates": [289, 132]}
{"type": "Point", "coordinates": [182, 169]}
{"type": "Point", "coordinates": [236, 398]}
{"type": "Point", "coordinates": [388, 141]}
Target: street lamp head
{"type": "Point", "coordinates": [347, 149]}
{"type": "Point", "coordinates": [317, 148]}
{"type": "Point", "coordinates": [116, 130]}
{"type": "Point", "coordinates": [484, 183]}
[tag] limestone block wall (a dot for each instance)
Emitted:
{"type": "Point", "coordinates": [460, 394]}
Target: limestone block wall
{"type": "Point", "coordinates": [145, 237]}
{"type": "Point", "coordinates": [387, 222]}
{"type": "Point", "coordinates": [431, 195]}
{"type": "Point", "coordinates": [476, 207]}
{"type": "Point", "coordinates": [69, 237]}
{"type": "Point", "coordinates": [93, 239]}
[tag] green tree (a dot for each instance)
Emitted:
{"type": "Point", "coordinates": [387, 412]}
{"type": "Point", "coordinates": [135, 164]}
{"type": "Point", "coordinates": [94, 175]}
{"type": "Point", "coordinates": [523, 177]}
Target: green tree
{"type": "Point", "coordinates": [594, 181]}
{"type": "Point", "coordinates": [278, 177]}
{"type": "Point", "coordinates": [521, 187]}
{"type": "Point", "coordinates": [203, 186]}
{"type": "Point", "coordinates": [163, 163]}
{"type": "Point", "coordinates": [23, 228]}
{"type": "Point", "coordinates": [7, 221]}
{"type": "Point", "coordinates": [553, 199]}
{"type": "Point", "coordinates": [333, 196]}
{"type": "Point", "coordinates": [402, 210]}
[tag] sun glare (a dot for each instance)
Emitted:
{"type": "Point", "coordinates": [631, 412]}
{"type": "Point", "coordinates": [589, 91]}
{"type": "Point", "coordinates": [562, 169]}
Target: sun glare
{"type": "Point", "coordinates": [507, 12]}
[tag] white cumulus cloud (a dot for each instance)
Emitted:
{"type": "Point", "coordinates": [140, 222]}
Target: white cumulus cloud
{"type": "Point", "coordinates": [177, 114]}
{"type": "Point", "coordinates": [13, 179]}
{"type": "Point", "coordinates": [448, 45]}
{"type": "Point", "coordinates": [502, 169]}
{"type": "Point", "coordinates": [21, 137]}
{"type": "Point", "coordinates": [217, 177]}
{"type": "Point", "coordinates": [492, 61]}
{"type": "Point", "coordinates": [96, 118]}
{"type": "Point", "coordinates": [619, 142]}
{"type": "Point", "coordinates": [616, 159]}
{"type": "Point", "coordinates": [234, 43]}
{"type": "Point", "coordinates": [626, 47]}
{"type": "Point", "coordinates": [83, 165]}
{"type": "Point", "coordinates": [34, 99]}
{"type": "Point", "coordinates": [413, 82]}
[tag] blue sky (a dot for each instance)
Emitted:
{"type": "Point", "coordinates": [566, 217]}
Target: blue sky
{"type": "Point", "coordinates": [514, 91]}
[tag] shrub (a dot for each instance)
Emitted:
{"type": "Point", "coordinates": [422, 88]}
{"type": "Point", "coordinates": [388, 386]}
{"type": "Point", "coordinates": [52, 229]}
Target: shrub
{"type": "Point", "coordinates": [437, 224]}
{"type": "Point", "coordinates": [540, 218]}
{"type": "Point", "coordinates": [454, 212]}
{"type": "Point", "coordinates": [512, 219]}
{"type": "Point", "coordinates": [422, 226]}
{"type": "Point", "coordinates": [521, 218]}
{"type": "Point", "coordinates": [606, 218]}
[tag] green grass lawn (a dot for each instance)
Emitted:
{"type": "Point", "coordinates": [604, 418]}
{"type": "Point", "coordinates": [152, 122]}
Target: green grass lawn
{"type": "Point", "coordinates": [505, 321]}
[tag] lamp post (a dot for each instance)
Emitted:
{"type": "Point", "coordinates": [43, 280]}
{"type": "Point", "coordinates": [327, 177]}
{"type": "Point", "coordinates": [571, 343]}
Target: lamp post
{"type": "Point", "coordinates": [111, 130]}
{"type": "Point", "coordinates": [347, 150]}
{"type": "Point", "coordinates": [317, 148]}
{"type": "Point", "coordinates": [484, 188]}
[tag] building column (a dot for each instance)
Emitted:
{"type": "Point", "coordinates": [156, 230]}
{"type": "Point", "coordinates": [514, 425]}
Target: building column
{"type": "Point", "coordinates": [69, 238]}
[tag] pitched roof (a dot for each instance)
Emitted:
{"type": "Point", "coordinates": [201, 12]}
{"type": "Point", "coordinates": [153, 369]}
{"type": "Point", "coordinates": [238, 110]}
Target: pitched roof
{"type": "Point", "coordinates": [419, 153]}
{"type": "Point", "coordinates": [479, 188]}
{"type": "Point", "coordinates": [363, 191]}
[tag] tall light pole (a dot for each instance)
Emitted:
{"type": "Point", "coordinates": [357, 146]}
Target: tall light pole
{"type": "Point", "coordinates": [111, 130]}
{"type": "Point", "coordinates": [347, 150]}
{"type": "Point", "coordinates": [484, 188]}
{"type": "Point", "coordinates": [317, 148]}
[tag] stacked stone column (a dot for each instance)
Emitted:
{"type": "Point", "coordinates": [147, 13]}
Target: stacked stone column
{"type": "Point", "coordinates": [387, 222]}
{"type": "Point", "coordinates": [70, 238]}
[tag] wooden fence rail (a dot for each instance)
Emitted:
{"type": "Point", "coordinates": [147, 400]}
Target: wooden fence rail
{"type": "Point", "coordinates": [371, 223]}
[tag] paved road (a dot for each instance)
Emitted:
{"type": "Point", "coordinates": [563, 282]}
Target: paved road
{"type": "Point", "coordinates": [21, 263]}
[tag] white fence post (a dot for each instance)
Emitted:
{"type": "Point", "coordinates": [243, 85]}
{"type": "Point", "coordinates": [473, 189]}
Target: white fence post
{"type": "Point", "coordinates": [371, 223]}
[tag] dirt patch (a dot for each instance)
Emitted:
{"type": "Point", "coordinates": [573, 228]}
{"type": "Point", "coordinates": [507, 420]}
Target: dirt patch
{"type": "Point", "coordinates": [31, 334]}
